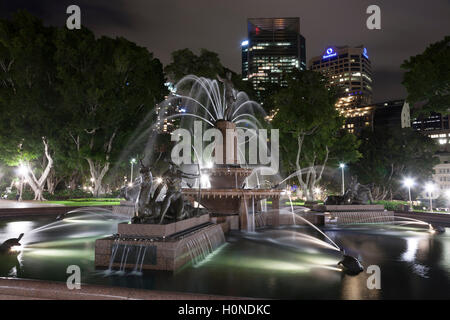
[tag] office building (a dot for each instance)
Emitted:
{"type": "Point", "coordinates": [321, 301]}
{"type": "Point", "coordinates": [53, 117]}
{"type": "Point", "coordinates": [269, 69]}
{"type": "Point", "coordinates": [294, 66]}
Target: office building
{"type": "Point", "coordinates": [274, 47]}
{"type": "Point", "coordinates": [349, 70]}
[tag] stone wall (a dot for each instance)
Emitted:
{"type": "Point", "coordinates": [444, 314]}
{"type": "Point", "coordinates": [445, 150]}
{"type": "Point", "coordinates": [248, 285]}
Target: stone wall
{"type": "Point", "coordinates": [169, 254]}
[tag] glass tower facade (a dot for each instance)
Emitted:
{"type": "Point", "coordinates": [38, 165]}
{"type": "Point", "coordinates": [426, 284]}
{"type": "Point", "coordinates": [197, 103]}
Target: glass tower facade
{"type": "Point", "coordinates": [274, 46]}
{"type": "Point", "coordinates": [350, 70]}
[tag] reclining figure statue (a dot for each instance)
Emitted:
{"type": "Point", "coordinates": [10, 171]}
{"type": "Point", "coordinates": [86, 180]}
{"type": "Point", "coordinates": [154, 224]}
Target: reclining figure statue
{"type": "Point", "coordinates": [355, 194]}
{"type": "Point", "coordinates": [172, 207]}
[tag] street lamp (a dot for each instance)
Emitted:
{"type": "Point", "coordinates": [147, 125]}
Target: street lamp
{"type": "Point", "coordinates": [409, 182]}
{"type": "Point", "coordinates": [342, 166]}
{"type": "Point", "coordinates": [429, 187]}
{"type": "Point", "coordinates": [132, 161]}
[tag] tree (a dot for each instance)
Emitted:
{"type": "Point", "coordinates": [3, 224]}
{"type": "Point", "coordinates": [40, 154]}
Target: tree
{"type": "Point", "coordinates": [185, 62]}
{"type": "Point", "coordinates": [28, 99]}
{"type": "Point", "coordinates": [207, 64]}
{"type": "Point", "coordinates": [428, 78]}
{"type": "Point", "coordinates": [108, 86]}
{"type": "Point", "coordinates": [310, 129]}
{"type": "Point", "coordinates": [390, 155]}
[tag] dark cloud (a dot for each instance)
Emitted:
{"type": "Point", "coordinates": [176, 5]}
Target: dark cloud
{"type": "Point", "coordinates": [408, 27]}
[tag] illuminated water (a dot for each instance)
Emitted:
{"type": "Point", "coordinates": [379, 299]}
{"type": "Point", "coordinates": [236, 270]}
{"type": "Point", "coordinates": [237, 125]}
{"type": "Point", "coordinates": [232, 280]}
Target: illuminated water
{"type": "Point", "coordinates": [269, 263]}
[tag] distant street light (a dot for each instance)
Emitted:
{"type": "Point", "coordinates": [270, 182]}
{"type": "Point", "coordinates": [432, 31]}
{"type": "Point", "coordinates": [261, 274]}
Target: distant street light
{"type": "Point", "coordinates": [409, 182]}
{"type": "Point", "coordinates": [429, 187]}
{"type": "Point", "coordinates": [447, 193]}
{"type": "Point", "coordinates": [22, 170]}
{"type": "Point", "coordinates": [342, 166]}
{"type": "Point", "coordinates": [132, 161]}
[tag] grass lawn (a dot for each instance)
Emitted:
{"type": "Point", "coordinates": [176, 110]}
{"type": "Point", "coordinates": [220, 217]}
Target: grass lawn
{"type": "Point", "coordinates": [85, 202]}
{"type": "Point", "coordinates": [288, 203]}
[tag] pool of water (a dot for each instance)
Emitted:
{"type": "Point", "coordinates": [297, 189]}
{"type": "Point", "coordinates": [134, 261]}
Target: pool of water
{"type": "Point", "coordinates": [270, 263]}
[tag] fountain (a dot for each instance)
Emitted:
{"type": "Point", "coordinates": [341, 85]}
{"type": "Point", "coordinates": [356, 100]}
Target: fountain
{"type": "Point", "coordinates": [181, 217]}
{"type": "Point", "coordinates": [166, 223]}
{"type": "Point", "coordinates": [169, 229]}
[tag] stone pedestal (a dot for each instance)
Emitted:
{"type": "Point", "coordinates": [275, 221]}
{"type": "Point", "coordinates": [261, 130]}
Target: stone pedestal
{"type": "Point", "coordinates": [276, 212]}
{"type": "Point", "coordinates": [158, 247]}
{"type": "Point", "coordinates": [229, 151]}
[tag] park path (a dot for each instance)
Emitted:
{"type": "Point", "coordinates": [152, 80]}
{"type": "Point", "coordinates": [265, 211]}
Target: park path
{"type": "Point", "coordinates": [12, 204]}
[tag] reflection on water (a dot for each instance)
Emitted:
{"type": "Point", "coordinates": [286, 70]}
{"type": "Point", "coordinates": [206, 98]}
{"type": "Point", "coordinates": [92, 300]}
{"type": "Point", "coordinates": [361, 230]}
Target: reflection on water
{"type": "Point", "coordinates": [270, 263]}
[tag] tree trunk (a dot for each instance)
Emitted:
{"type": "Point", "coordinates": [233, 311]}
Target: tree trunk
{"type": "Point", "coordinates": [98, 171]}
{"type": "Point", "coordinates": [52, 181]}
{"type": "Point", "coordinates": [37, 185]}
{"type": "Point", "coordinates": [73, 180]}
{"type": "Point", "coordinates": [97, 174]}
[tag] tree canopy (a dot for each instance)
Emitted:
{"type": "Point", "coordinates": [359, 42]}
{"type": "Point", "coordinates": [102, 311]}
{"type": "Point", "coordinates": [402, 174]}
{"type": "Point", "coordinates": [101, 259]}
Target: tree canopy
{"type": "Point", "coordinates": [389, 156]}
{"type": "Point", "coordinates": [427, 78]}
{"type": "Point", "coordinates": [207, 64]}
{"type": "Point", "coordinates": [310, 128]}
{"type": "Point", "coordinates": [63, 88]}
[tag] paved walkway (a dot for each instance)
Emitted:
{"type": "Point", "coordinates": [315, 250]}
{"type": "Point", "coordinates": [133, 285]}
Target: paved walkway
{"type": "Point", "coordinates": [16, 289]}
{"type": "Point", "coordinates": [12, 204]}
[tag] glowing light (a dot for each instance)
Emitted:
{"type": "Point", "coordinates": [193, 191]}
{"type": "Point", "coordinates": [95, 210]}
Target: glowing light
{"type": "Point", "coordinates": [15, 249]}
{"type": "Point", "coordinates": [92, 179]}
{"type": "Point", "coordinates": [341, 165]}
{"type": "Point", "coordinates": [365, 53]}
{"type": "Point", "coordinates": [22, 170]}
{"type": "Point", "coordinates": [204, 181]}
{"type": "Point", "coordinates": [408, 182]}
{"type": "Point", "coordinates": [329, 53]}
{"type": "Point", "coordinates": [159, 180]}
{"type": "Point", "coordinates": [209, 165]}
{"type": "Point", "coordinates": [244, 43]}
{"type": "Point", "coordinates": [130, 184]}
{"type": "Point", "coordinates": [133, 160]}
{"type": "Point", "coordinates": [429, 187]}
{"type": "Point", "coordinates": [447, 193]}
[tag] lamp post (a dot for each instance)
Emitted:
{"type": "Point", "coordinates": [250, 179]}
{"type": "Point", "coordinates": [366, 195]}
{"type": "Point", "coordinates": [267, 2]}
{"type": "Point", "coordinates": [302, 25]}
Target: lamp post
{"type": "Point", "coordinates": [409, 182]}
{"type": "Point", "coordinates": [132, 161]}
{"type": "Point", "coordinates": [429, 188]}
{"type": "Point", "coordinates": [342, 166]}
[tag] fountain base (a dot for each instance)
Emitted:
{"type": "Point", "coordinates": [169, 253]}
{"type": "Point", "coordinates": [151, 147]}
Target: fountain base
{"type": "Point", "coordinates": [168, 247]}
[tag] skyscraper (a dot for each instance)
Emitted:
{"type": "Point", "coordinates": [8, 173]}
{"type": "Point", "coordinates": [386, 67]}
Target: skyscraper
{"type": "Point", "coordinates": [274, 46]}
{"type": "Point", "coordinates": [348, 69]}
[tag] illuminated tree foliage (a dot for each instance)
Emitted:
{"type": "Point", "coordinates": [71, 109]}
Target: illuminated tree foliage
{"type": "Point", "coordinates": [310, 129]}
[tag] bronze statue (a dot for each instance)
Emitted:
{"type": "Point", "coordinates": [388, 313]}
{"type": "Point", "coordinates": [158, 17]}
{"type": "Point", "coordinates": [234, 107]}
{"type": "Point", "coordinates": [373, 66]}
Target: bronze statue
{"type": "Point", "coordinates": [173, 199]}
{"type": "Point", "coordinates": [172, 207]}
{"type": "Point", "coordinates": [230, 94]}
{"type": "Point", "coordinates": [356, 193]}
{"type": "Point", "coordinates": [5, 247]}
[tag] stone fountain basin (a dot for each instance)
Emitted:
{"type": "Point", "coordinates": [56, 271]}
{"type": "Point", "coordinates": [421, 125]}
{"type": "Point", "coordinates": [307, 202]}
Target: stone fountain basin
{"type": "Point", "coordinates": [226, 177]}
{"type": "Point", "coordinates": [160, 230]}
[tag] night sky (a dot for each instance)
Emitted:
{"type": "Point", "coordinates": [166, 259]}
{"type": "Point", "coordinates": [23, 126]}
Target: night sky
{"type": "Point", "coordinates": [408, 27]}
